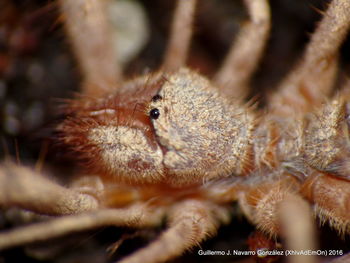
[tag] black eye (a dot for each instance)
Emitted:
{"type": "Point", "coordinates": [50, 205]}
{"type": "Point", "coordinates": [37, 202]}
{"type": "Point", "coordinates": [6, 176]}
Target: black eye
{"type": "Point", "coordinates": [154, 113]}
{"type": "Point", "coordinates": [156, 98]}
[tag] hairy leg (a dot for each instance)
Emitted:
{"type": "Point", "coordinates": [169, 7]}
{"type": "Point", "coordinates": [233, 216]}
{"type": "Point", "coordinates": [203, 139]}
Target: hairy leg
{"type": "Point", "coordinates": [246, 51]}
{"type": "Point", "coordinates": [135, 216]}
{"type": "Point", "coordinates": [277, 209]}
{"type": "Point", "coordinates": [90, 35]}
{"type": "Point", "coordinates": [22, 187]}
{"type": "Point", "coordinates": [190, 222]}
{"type": "Point", "coordinates": [313, 78]}
{"type": "Point", "coordinates": [181, 31]}
{"type": "Point", "coordinates": [331, 198]}
{"type": "Point", "coordinates": [297, 227]}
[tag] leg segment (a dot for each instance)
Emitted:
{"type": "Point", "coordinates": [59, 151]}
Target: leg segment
{"type": "Point", "coordinates": [331, 197]}
{"type": "Point", "coordinates": [261, 203]}
{"type": "Point", "coordinates": [277, 209]}
{"type": "Point", "coordinates": [314, 76]}
{"type": "Point", "coordinates": [190, 222]}
{"type": "Point", "coordinates": [135, 216]}
{"type": "Point", "coordinates": [244, 56]}
{"type": "Point", "coordinates": [181, 31]}
{"type": "Point", "coordinates": [298, 228]}
{"type": "Point", "coordinates": [90, 34]}
{"type": "Point", "coordinates": [22, 187]}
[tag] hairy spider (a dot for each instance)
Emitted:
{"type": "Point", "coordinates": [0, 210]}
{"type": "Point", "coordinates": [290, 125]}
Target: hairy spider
{"type": "Point", "coordinates": [173, 144]}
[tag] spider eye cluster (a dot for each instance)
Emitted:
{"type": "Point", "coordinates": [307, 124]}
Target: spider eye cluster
{"type": "Point", "coordinates": [155, 113]}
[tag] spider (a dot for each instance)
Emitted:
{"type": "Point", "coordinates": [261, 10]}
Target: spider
{"type": "Point", "coordinates": [173, 144]}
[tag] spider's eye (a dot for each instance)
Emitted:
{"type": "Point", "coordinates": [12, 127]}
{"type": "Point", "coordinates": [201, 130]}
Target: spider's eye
{"type": "Point", "coordinates": [154, 113]}
{"type": "Point", "coordinates": [156, 98]}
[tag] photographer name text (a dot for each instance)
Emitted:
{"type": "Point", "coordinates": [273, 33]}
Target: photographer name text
{"type": "Point", "coordinates": [265, 253]}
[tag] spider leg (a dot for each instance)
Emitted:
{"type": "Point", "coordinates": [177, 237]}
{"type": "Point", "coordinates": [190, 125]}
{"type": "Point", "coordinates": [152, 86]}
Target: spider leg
{"type": "Point", "coordinates": [181, 31]}
{"type": "Point", "coordinates": [190, 222]}
{"type": "Point", "coordinates": [134, 216]}
{"type": "Point", "coordinates": [90, 34]}
{"type": "Point", "coordinates": [277, 209]}
{"type": "Point", "coordinates": [313, 78]}
{"type": "Point", "coordinates": [22, 187]}
{"type": "Point", "coordinates": [331, 196]}
{"type": "Point", "coordinates": [246, 51]}
{"type": "Point", "coordinates": [297, 226]}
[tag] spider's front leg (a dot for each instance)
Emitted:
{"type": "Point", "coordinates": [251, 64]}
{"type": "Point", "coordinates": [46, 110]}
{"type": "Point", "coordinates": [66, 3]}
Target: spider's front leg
{"type": "Point", "coordinates": [190, 222]}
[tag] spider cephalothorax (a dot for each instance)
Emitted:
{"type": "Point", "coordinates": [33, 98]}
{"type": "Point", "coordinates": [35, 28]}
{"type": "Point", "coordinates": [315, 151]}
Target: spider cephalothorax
{"type": "Point", "coordinates": [176, 145]}
{"type": "Point", "coordinates": [175, 129]}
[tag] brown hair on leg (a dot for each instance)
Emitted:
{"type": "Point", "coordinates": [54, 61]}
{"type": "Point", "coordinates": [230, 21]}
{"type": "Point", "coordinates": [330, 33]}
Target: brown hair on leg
{"type": "Point", "coordinates": [22, 187]}
{"type": "Point", "coordinates": [90, 33]}
{"type": "Point", "coordinates": [181, 31]}
{"type": "Point", "coordinates": [313, 78]}
{"type": "Point", "coordinates": [138, 215]}
{"type": "Point", "coordinates": [190, 222]}
{"type": "Point", "coordinates": [331, 196]}
{"type": "Point", "coordinates": [246, 51]}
